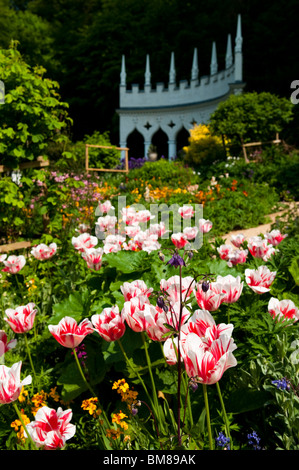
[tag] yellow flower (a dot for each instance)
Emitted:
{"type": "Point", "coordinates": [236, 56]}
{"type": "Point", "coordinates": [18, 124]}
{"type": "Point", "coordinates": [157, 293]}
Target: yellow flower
{"type": "Point", "coordinates": [121, 385]}
{"type": "Point", "coordinates": [23, 395]}
{"type": "Point", "coordinates": [114, 433]}
{"type": "Point", "coordinates": [90, 406]}
{"type": "Point", "coordinates": [39, 400]}
{"type": "Point", "coordinates": [53, 394]}
{"type": "Point", "coordinates": [17, 425]}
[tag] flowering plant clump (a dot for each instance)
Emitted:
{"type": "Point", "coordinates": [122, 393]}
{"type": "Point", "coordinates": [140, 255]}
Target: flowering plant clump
{"type": "Point", "coordinates": [154, 342]}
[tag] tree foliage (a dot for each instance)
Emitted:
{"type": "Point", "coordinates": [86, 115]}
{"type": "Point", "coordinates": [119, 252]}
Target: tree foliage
{"type": "Point", "coordinates": [33, 115]}
{"type": "Point", "coordinates": [251, 117]}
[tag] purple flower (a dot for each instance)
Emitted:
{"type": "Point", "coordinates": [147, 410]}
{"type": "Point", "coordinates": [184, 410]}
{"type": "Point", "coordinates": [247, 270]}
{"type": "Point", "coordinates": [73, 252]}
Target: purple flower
{"type": "Point", "coordinates": [254, 440]}
{"type": "Point", "coordinates": [176, 261]}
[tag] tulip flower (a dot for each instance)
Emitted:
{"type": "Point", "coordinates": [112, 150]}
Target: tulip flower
{"type": "Point", "coordinates": [157, 229]}
{"type": "Point", "coordinates": [144, 216]}
{"type": "Point", "coordinates": [134, 288]}
{"type": "Point", "coordinates": [230, 286]}
{"type": "Point", "coordinates": [133, 312]}
{"type": "Point", "coordinates": [43, 252]}
{"type": "Point", "coordinates": [283, 309]}
{"type": "Point", "coordinates": [6, 345]}
{"type": "Point", "coordinates": [260, 248]}
{"type": "Point", "coordinates": [13, 264]}
{"type": "Point", "coordinates": [237, 240]}
{"type": "Point", "coordinates": [203, 324]}
{"type": "Point", "coordinates": [106, 223]}
{"type": "Point", "coordinates": [132, 230]}
{"type": "Point", "coordinates": [2, 258]}
{"type": "Point", "coordinates": [260, 280]}
{"type": "Point", "coordinates": [186, 212]}
{"type": "Point", "coordinates": [129, 216]}
{"type": "Point", "coordinates": [68, 333]}
{"type": "Point", "coordinates": [237, 257]}
{"type": "Point", "coordinates": [109, 324]}
{"type": "Point", "coordinates": [113, 243]}
{"type": "Point", "coordinates": [22, 318]}
{"type": "Point", "coordinates": [93, 258]}
{"type": "Point", "coordinates": [10, 382]}
{"type": "Point", "coordinates": [155, 320]}
{"type": "Point", "coordinates": [105, 207]}
{"type": "Point", "coordinates": [190, 232]}
{"type": "Point", "coordinates": [275, 237]}
{"type": "Point", "coordinates": [179, 240]}
{"type": "Point", "coordinates": [172, 287]}
{"type": "Point", "coordinates": [84, 241]}
{"type": "Point", "coordinates": [51, 429]}
{"type": "Point", "coordinates": [205, 225]}
{"type": "Point", "coordinates": [208, 300]}
{"type": "Point", "coordinates": [225, 251]}
{"type": "Point", "coordinates": [204, 365]}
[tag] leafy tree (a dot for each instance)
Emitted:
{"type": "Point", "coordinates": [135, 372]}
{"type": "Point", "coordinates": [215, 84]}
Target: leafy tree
{"type": "Point", "coordinates": [251, 117]}
{"type": "Point", "coordinates": [33, 115]}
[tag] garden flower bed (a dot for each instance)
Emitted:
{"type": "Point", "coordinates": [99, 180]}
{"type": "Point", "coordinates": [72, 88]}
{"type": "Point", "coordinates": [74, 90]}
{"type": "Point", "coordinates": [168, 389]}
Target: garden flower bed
{"type": "Point", "coordinates": [128, 336]}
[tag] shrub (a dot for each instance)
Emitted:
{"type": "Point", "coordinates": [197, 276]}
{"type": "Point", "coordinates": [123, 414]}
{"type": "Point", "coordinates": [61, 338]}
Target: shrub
{"type": "Point", "coordinates": [204, 148]}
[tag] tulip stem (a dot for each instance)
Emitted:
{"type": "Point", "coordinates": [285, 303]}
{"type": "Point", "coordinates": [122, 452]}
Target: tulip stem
{"type": "Point", "coordinates": [24, 426]}
{"type": "Point", "coordinates": [224, 414]}
{"type": "Point", "coordinates": [151, 374]}
{"type": "Point", "coordinates": [133, 369]}
{"type": "Point", "coordinates": [205, 394]}
{"type": "Point", "coordinates": [30, 360]}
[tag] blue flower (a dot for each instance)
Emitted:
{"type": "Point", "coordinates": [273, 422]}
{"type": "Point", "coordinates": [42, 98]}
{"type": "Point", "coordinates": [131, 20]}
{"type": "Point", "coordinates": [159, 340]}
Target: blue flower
{"type": "Point", "coordinates": [222, 440]}
{"type": "Point", "coordinates": [282, 384]}
{"type": "Point", "coordinates": [254, 440]}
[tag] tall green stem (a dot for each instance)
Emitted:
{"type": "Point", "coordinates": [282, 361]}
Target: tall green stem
{"type": "Point", "coordinates": [205, 394]}
{"type": "Point", "coordinates": [155, 398]}
{"type": "Point", "coordinates": [135, 371]}
{"type": "Point", "coordinates": [24, 426]}
{"type": "Point", "coordinates": [224, 414]}
{"type": "Point", "coordinates": [30, 360]}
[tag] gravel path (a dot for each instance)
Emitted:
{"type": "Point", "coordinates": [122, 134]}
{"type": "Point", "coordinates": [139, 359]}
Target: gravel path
{"type": "Point", "coordinates": [262, 229]}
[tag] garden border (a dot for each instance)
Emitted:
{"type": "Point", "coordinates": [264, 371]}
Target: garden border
{"type": "Point", "coordinates": [126, 170]}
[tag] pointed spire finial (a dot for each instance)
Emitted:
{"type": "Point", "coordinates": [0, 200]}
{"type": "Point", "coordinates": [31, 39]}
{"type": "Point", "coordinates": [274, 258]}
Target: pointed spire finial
{"type": "Point", "coordinates": [239, 39]}
{"type": "Point", "coordinates": [194, 71]}
{"type": "Point", "coordinates": [147, 74]}
{"type": "Point", "coordinates": [123, 74]}
{"type": "Point", "coordinates": [172, 73]}
{"type": "Point", "coordinates": [229, 54]}
{"type": "Point", "coordinates": [214, 64]}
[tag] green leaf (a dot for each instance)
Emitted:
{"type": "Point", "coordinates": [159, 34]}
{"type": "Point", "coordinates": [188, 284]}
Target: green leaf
{"type": "Point", "coordinates": [76, 306]}
{"type": "Point", "coordinates": [247, 399]}
{"type": "Point", "coordinates": [128, 262]}
{"type": "Point", "coordinates": [294, 270]}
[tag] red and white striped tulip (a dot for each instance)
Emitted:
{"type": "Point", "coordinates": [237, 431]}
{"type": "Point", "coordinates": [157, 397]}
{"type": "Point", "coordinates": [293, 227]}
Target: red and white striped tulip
{"type": "Point", "coordinates": [22, 318]}
{"type": "Point", "coordinates": [106, 223]}
{"type": "Point", "coordinates": [93, 258]}
{"type": "Point", "coordinates": [237, 240]}
{"type": "Point", "coordinates": [275, 237]}
{"type": "Point", "coordinates": [207, 366]}
{"type": "Point", "coordinates": [208, 300]}
{"type": "Point", "coordinates": [237, 257]}
{"type": "Point", "coordinates": [283, 309]}
{"type": "Point", "coordinates": [109, 324]}
{"type": "Point", "coordinates": [172, 287]}
{"type": "Point", "coordinates": [51, 429]}
{"type": "Point", "coordinates": [186, 212]}
{"type": "Point", "coordinates": [84, 241]}
{"type": "Point", "coordinates": [135, 288]}
{"type": "Point", "coordinates": [14, 264]}
{"type": "Point", "coordinates": [105, 206]}
{"type": "Point", "coordinates": [69, 334]}
{"type": "Point", "coordinates": [205, 225]}
{"type": "Point", "coordinates": [203, 325]}
{"type": "Point", "coordinates": [10, 382]}
{"type": "Point", "coordinates": [190, 232]}
{"type": "Point", "coordinates": [225, 251]}
{"type": "Point", "coordinates": [230, 286]}
{"type": "Point", "coordinates": [260, 280]}
{"type": "Point", "coordinates": [260, 248]}
{"type": "Point", "coordinates": [6, 345]}
{"type": "Point", "coordinates": [133, 312]}
{"type": "Point", "coordinates": [43, 252]}
{"type": "Point", "coordinates": [179, 240]}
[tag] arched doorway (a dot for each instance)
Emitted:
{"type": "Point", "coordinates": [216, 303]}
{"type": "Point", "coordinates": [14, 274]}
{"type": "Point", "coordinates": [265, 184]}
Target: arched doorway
{"type": "Point", "coordinates": [135, 143]}
{"type": "Point", "coordinates": [160, 140]}
{"type": "Point", "coordinates": [182, 139]}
